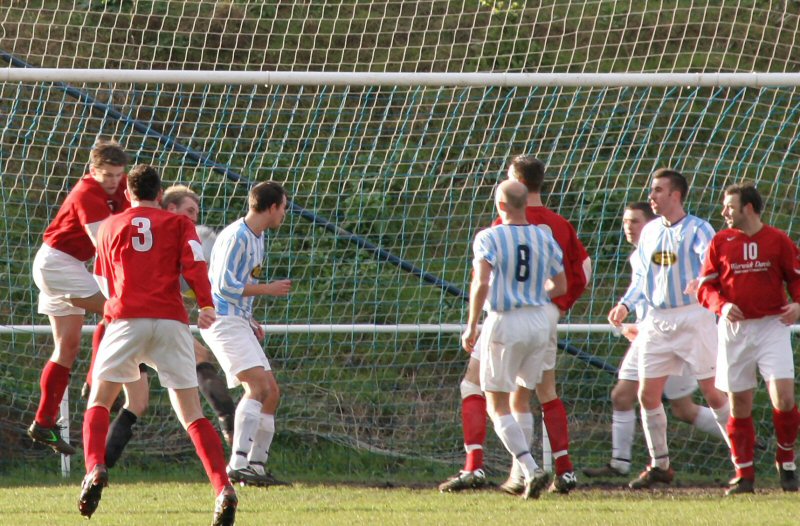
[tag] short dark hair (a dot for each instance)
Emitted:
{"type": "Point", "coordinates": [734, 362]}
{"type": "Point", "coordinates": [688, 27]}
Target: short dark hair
{"type": "Point", "coordinates": [264, 195]}
{"type": "Point", "coordinates": [529, 170]}
{"type": "Point", "coordinates": [144, 183]}
{"type": "Point", "coordinates": [748, 195]}
{"type": "Point", "coordinates": [108, 152]}
{"type": "Point", "coordinates": [175, 194]}
{"type": "Point", "coordinates": [644, 207]}
{"type": "Point", "coordinates": [676, 180]}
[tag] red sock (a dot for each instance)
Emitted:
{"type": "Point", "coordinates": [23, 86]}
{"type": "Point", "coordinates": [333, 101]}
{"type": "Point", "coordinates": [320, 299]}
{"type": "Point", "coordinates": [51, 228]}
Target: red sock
{"type": "Point", "coordinates": [473, 423]}
{"type": "Point", "coordinates": [786, 424]}
{"type": "Point", "coordinates": [95, 429]}
{"type": "Point", "coordinates": [53, 383]}
{"type": "Point", "coordinates": [555, 420]}
{"type": "Point", "coordinates": [97, 337]}
{"type": "Point", "coordinates": [742, 433]}
{"type": "Point", "coordinates": [209, 448]}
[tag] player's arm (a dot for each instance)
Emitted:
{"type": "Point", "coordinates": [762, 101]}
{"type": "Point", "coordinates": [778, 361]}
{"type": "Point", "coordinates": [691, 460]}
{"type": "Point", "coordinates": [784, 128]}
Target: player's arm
{"type": "Point", "coordinates": [478, 291]}
{"type": "Point", "coordinates": [100, 273]}
{"type": "Point", "coordinates": [578, 269]}
{"type": "Point", "coordinates": [557, 283]}
{"type": "Point", "coordinates": [790, 263]}
{"type": "Point", "coordinates": [91, 212]}
{"type": "Point", "coordinates": [635, 293]}
{"type": "Point", "coordinates": [195, 271]}
{"type": "Point", "coordinates": [280, 287]}
{"type": "Point", "coordinates": [709, 292]}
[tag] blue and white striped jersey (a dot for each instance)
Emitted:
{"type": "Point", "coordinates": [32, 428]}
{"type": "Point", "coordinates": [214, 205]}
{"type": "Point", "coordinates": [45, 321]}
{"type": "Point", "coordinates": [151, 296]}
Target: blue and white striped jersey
{"type": "Point", "coordinates": [235, 262]}
{"type": "Point", "coordinates": [667, 259]}
{"type": "Point", "coordinates": [522, 257]}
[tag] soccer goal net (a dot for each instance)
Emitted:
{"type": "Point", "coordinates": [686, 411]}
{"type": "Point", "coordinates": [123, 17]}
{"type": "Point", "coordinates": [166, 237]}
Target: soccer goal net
{"type": "Point", "coordinates": [389, 179]}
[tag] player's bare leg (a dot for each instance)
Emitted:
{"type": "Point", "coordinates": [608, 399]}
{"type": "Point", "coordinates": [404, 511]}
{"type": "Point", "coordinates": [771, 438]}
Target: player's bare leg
{"type": "Point", "coordinates": [214, 389]}
{"type": "Point", "coordinates": [208, 445]}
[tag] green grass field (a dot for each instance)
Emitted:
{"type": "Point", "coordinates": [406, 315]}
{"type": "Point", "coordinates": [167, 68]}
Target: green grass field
{"type": "Point", "coordinates": [145, 502]}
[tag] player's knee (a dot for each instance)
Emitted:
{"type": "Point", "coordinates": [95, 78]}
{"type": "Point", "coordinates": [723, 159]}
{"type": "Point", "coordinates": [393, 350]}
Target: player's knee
{"type": "Point", "coordinates": [785, 402]}
{"type": "Point", "coordinates": [469, 389]}
{"type": "Point", "coordinates": [623, 399]}
{"type": "Point", "coordinates": [66, 349]}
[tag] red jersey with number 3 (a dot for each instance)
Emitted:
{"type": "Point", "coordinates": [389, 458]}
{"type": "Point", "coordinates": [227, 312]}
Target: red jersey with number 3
{"type": "Point", "coordinates": [574, 253]}
{"type": "Point", "coordinates": [750, 272]}
{"type": "Point", "coordinates": [141, 254]}
{"type": "Point", "coordinates": [86, 204]}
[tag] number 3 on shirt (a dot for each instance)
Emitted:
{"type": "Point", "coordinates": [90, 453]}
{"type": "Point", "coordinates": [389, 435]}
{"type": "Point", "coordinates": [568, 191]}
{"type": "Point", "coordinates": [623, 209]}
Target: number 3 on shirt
{"type": "Point", "coordinates": [143, 239]}
{"type": "Point", "coordinates": [523, 262]}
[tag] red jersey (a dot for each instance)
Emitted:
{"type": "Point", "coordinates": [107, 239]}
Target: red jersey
{"type": "Point", "coordinates": [141, 254]}
{"type": "Point", "coordinates": [87, 203]}
{"type": "Point", "coordinates": [574, 253]}
{"type": "Point", "coordinates": [750, 272]}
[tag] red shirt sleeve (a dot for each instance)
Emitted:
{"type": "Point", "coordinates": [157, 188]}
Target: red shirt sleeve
{"type": "Point", "coordinates": [790, 261]}
{"type": "Point", "coordinates": [193, 266]}
{"type": "Point", "coordinates": [709, 293]}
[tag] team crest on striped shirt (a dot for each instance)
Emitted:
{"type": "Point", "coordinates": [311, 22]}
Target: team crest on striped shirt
{"type": "Point", "coordinates": [258, 272]}
{"type": "Point", "coordinates": [664, 258]}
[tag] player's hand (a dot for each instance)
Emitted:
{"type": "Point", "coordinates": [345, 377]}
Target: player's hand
{"type": "Point", "coordinates": [617, 315]}
{"type": "Point", "coordinates": [790, 313]}
{"type": "Point", "coordinates": [206, 318]}
{"type": "Point", "coordinates": [469, 338]}
{"type": "Point", "coordinates": [258, 330]}
{"type": "Point", "coordinates": [630, 331]}
{"type": "Point", "coordinates": [278, 288]}
{"type": "Point", "coordinates": [732, 312]}
{"type": "Point", "coordinates": [691, 288]}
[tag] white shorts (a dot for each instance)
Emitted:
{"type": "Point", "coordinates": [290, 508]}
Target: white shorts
{"type": "Point", "coordinates": [764, 343]}
{"type": "Point", "coordinates": [549, 356]}
{"type": "Point", "coordinates": [676, 387]}
{"type": "Point", "coordinates": [671, 339]}
{"type": "Point", "coordinates": [60, 276]}
{"type": "Point", "coordinates": [164, 345]}
{"type": "Point", "coordinates": [514, 345]}
{"type": "Point", "coordinates": [236, 347]}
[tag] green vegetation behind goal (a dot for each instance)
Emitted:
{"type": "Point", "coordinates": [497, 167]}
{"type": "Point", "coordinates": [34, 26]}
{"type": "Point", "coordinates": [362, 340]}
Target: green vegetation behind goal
{"type": "Point", "coordinates": [389, 184]}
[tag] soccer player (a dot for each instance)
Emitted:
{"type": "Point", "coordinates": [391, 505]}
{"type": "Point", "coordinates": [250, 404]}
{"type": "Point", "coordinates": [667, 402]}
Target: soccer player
{"type": "Point", "coordinates": [678, 389]}
{"type": "Point", "coordinates": [141, 255]}
{"type": "Point", "coordinates": [676, 331]}
{"type": "Point", "coordinates": [517, 269]}
{"type": "Point", "coordinates": [577, 267]}
{"type": "Point", "coordinates": [235, 271]}
{"type": "Point", "coordinates": [66, 288]}
{"type": "Point", "coordinates": [178, 199]}
{"type": "Point", "coordinates": [744, 280]}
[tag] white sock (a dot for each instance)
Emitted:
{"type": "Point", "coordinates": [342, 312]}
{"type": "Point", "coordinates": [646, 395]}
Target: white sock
{"type": "Point", "coordinates": [721, 415]}
{"type": "Point", "coordinates": [654, 422]}
{"type": "Point", "coordinates": [514, 439]}
{"type": "Point", "coordinates": [245, 423]}
{"type": "Point", "coordinates": [706, 421]}
{"type": "Point", "coordinates": [525, 421]}
{"type": "Point", "coordinates": [623, 429]}
{"type": "Point", "coordinates": [262, 439]}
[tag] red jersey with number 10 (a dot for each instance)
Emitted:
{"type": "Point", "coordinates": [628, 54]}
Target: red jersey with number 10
{"type": "Point", "coordinates": [750, 272]}
{"type": "Point", "coordinates": [86, 204]}
{"type": "Point", "coordinates": [141, 254]}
